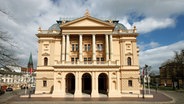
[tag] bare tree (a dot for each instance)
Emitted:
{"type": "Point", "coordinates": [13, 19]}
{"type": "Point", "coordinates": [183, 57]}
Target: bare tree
{"type": "Point", "coordinates": [174, 69]}
{"type": "Point", "coordinates": [179, 57]}
{"type": "Point", "coordinates": [7, 56]}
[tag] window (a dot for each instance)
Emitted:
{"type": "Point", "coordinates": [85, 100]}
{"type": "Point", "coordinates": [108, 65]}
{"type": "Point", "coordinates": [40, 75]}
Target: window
{"type": "Point", "coordinates": [87, 60]}
{"type": "Point", "coordinates": [75, 47]}
{"type": "Point", "coordinates": [130, 83]}
{"type": "Point", "coordinates": [74, 60]}
{"type": "Point", "coordinates": [87, 47]}
{"type": "Point", "coordinates": [45, 61]}
{"type": "Point", "coordinates": [99, 47]}
{"type": "Point", "coordinates": [129, 61]}
{"type": "Point", "coordinates": [44, 83]}
{"type": "Point", "coordinates": [100, 60]}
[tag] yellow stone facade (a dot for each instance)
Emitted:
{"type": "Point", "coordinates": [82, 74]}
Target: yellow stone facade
{"type": "Point", "coordinates": [87, 57]}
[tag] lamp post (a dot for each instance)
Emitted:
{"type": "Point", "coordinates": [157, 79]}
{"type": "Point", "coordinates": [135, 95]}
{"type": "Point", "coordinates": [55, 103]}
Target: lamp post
{"type": "Point", "coordinates": [144, 69]}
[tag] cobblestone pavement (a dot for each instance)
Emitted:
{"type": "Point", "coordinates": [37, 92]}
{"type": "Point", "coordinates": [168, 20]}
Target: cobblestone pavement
{"type": "Point", "coordinates": [159, 98]}
{"type": "Point", "coordinates": [9, 95]}
{"type": "Point", "coordinates": [177, 96]}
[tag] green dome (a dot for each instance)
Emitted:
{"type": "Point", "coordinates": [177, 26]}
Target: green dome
{"type": "Point", "coordinates": [55, 27]}
{"type": "Point", "coordinates": [119, 26]}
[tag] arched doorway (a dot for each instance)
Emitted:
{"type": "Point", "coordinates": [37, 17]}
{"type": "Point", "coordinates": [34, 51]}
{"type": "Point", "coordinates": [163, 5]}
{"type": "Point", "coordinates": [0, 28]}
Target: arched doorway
{"type": "Point", "coordinates": [70, 83]}
{"type": "Point", "coordinates": [86, 83]}
{"type": "Point", "coordinates": [103, 83]}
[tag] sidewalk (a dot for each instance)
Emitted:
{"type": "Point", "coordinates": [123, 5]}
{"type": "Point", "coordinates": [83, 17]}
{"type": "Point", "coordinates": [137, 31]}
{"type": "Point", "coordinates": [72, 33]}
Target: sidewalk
{"type": "Point", "coordinates": [9, 95]}
{"type": "Point", "coordinates": [159, 98]}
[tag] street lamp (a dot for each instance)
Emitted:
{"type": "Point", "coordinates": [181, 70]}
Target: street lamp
{"type": "Point", "coordinates": [145, 68]}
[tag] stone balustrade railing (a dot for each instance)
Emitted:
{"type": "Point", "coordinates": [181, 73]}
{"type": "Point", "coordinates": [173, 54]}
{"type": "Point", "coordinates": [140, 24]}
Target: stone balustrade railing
{"type": "Point", "coordinates": [86, 63]}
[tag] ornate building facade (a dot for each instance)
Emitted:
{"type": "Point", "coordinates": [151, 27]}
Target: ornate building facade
{"type": "Point", "coordinates": [88, 57]}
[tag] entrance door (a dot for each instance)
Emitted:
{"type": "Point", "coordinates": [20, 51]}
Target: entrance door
{"type": "Point", "coordinates": [70, 83]}
{"type": "Point", "coordinates": [102, 83]}
{"type": "Point", "coordinates": [86, 83]}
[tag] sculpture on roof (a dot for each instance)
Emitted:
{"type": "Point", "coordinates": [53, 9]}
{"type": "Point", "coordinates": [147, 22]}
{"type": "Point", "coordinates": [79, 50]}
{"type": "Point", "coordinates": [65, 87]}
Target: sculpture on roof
{"type": "Point", "coordinates": [87, 13]}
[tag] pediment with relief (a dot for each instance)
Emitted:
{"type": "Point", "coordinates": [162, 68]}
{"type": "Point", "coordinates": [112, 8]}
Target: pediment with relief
{"type": "Point", "coordinates": [87, 22]}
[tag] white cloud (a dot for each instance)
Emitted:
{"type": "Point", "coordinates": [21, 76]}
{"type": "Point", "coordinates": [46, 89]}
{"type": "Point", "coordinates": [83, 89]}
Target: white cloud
{"type": "Point", "coordinates": [25, 16]}
{"type": "Point", "coordinates": [125, 22]}
{"type": "Point", "coordinates": [150, 24]}
{"type": "Point", "coordinates": [151, 45]}
{"type": "Point", "coordinates": [155, 57]}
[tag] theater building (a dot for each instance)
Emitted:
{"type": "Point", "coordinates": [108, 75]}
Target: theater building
{"type": "Point", "coordinates": [87, 56]}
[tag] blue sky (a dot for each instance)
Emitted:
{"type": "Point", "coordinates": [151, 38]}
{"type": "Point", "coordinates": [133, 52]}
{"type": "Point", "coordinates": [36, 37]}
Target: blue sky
{"type": "Point", "coordinates": [160, 23]}
{"type": "Point", "coordinates": [165, 36]}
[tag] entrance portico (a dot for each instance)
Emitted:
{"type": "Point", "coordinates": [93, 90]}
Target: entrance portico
{"type": "Point", "coordinates": [83, 84]}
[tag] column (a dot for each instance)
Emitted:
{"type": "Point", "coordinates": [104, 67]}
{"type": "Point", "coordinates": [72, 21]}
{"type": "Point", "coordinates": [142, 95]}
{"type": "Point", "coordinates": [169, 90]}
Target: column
{"type": "Point", "coordinates": [107, 47]}
{"type": "Point", "coordinates": [94, 92]}
{"type": "Point", "coordinates": [78, 91]}
{"type": "Point", "coordinates": [67, 47]}
{"type": "Point", "coordinates": [63, 48]}
{"type": "Point", "coordinates": [80, 48]}
{"type": "Point", "coordinates": [111, 49]}
{"type": "Point", "coordinates": [94, 48]}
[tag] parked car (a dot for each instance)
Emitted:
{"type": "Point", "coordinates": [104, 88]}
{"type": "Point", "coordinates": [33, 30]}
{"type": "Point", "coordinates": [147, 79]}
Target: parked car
{"type": "Point", "coordinates": [2, 91]}
{"type": "Point", "coordinates": [9, 89]}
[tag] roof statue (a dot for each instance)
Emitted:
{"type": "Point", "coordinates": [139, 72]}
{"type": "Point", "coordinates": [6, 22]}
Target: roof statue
{"type": "Point", "coordinates": [87, 13]}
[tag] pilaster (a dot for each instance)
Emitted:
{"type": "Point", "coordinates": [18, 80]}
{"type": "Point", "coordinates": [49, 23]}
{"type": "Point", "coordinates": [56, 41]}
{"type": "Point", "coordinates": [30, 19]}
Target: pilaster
{"type": "Point", "coordinates": [78, 91]}
{"type": "Point", "coordinates": [94, 92]}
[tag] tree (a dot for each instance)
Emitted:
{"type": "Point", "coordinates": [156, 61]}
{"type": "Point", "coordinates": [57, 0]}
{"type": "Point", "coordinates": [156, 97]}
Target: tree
{"type": "Point", "coordinates": [7, 56]}
{"type": "Point", "coordinates": [174, 69]}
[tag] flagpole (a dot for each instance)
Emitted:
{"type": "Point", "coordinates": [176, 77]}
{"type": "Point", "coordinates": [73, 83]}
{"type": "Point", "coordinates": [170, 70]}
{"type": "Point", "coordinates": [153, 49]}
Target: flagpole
{"type": "Point", "coordinates": [30, 68]}
{"type": "Point", "coordinates": [143, 84]}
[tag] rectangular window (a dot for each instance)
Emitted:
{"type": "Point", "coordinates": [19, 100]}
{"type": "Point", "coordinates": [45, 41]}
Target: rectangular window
{"type": "Point", "coordinates": [87, 47]}
{"type": "Point", "coordinates": [99, 47]}
{"type": "Point", "coordinates": [87, 60]}
{"type": "Point", "coordinates": [100, 60]}
{"type": "Point", "coordinates": [130, 83]}
{"type": "Point", "coordinates": [44, 83]}
{"type": "Point", "coordinates": [74, 60]}
{"type": "Point", "coordinates": [75, 47]}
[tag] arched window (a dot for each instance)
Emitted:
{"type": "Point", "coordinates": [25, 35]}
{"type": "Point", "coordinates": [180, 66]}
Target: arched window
{"type": "Point", "coordinates": [45, 61]}
{"type": "Point", "coordinates": [129, 61]}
